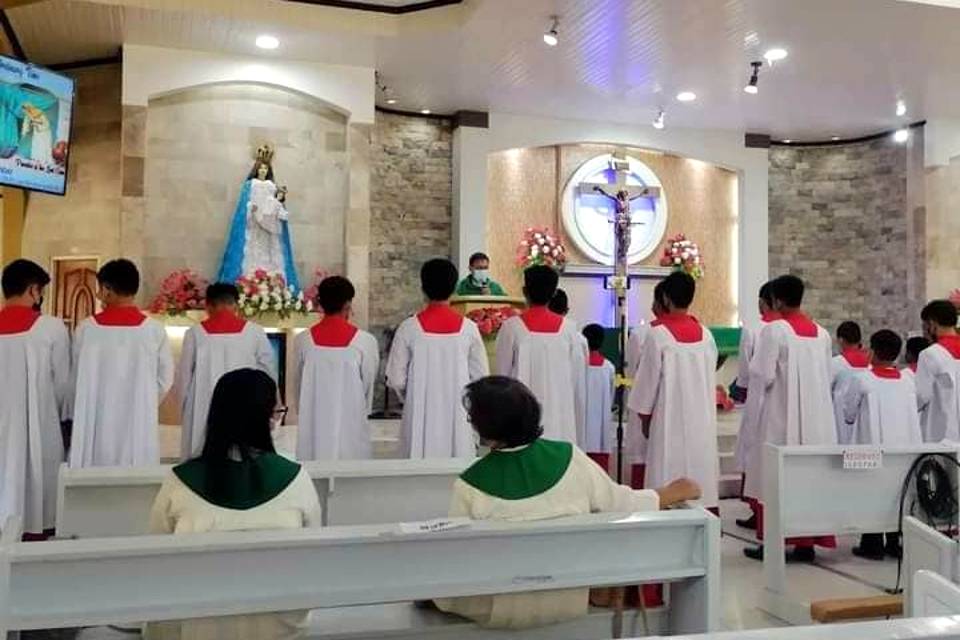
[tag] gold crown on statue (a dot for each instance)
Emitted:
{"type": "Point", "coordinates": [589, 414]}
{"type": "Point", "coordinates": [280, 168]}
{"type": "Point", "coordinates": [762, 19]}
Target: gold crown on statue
{"type": "Point", "coordinates": [265, 153]}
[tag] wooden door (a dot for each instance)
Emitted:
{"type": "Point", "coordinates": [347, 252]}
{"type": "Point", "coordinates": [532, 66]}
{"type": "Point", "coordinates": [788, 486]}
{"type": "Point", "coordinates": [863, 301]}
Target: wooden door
{"type": "Point", "coordinates": [75, 289]}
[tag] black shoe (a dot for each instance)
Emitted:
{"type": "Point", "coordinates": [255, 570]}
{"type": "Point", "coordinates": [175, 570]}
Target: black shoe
{"type": "Point", "coordinates": [801, 554]}
{"type": "Point", "coordinates": [869, 554]}
{"type": "Point", "coordinates": [749, 523]}
{"type": "Point", "coordinates": [754, 553]}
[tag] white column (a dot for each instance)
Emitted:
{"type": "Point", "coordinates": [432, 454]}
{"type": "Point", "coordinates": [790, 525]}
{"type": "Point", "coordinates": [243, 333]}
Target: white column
{"type": "Point", "coordinates": [470, 149]}
{"type": "Point", "coordinates": [754, 241]}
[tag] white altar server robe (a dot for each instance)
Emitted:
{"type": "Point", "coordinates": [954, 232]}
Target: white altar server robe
{"type": "Point", "coordinates": [434, 356]}
{"type": "Point", "coordinates": [123, 368]}
{"type": "Point", "coordinates": [634, 442]}
{"type": "Point", "coordinates": [746, 435]}
{"type": "Point", "coordinates": [791, 364]}
{"type": "Point", "coordinates": [844, 369]}
{"type": "Point", "coordinates": [217, 346]}
{"type": "Point", "coordinates": [880, 405]}
{"type": "Point", "coordinates": [938, 389]}
{"type": "Point", "coordinates": [676, 385]}
{"type": "Point", "coordinates": [335, 371]}
{"type": "Point", "coordinates": [543, 351]}
{"type": "Point", "coordinates": [34, 399]}
{"type": "Point", "coordinates": [599, 404]}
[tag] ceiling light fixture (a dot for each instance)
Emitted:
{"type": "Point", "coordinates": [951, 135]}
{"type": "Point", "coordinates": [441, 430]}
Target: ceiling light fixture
{"type": "Point", "coordinates": [775, 55]}
{"type": "Point", "coordinates": [551, 37]}
{"type": "Point", "coordinates": [752, 87]}
{"type": "Point", "coordinates": [901, 108]}
{"type": "Point", "coordinates": [425, 112]}
{"type": "Point", "coordinates": [835, 138]}
{"type": "Point", "coordinates": [787, 141]}
{"type": "Point", "coordinates": [901, 135]}
{"type": "Point", "coordinates": [391, 101]}
{"type": "Point", "coordinates": [686, 96]}
{"type": "Point", "coordinates": [267, 42]}
{"type": "Point", "coordinates": [658, 122]}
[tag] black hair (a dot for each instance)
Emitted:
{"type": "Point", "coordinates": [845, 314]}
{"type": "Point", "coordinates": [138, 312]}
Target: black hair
{"type": "Point", "coordinates": [120, 276]}
{"type": "Point", "coordinates": [539, 284]}
{"type": "Point", "coordinates": [222, 293]}
{"type": "Point", "coordinates": [242, 405]}
{"type": "Point", "coordinates": [256, 165]}
{"type": "Point", "coordinates": [503, 410]}
{"type": "Point", "coordinates": [438, 279]}
{"type": "Point", "coordinates": [849, 331]}
{"type": "Point", "coordinates": [679, 289]}
{"type": "Point", "coordinates": [594, 334]}
{"type": "Point", "coordinates": [333, 294]}
{"type": "Point", "coordinates": [914, 347]}
{"type": "Point", "coordinates": [789, 291]}
{"type": "Point", "coordinates": [886, 345]}
{"type": "Point", "coordinates": [940, 312]}
{"type": "Point", "coordinates": [559, 303]}
{"type": "Point", "coordinates": [766, 293]}
{"type": "Point", "coordinates": [479, 255]}
{"type": "Point", "coordinates": [20, 275]}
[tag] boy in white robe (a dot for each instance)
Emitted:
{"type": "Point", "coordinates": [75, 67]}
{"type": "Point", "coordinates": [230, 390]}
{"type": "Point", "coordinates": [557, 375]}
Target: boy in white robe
{"type": "Point", "coordinates": [938, 373]}
{"type": "Point", "coordinates": [675, 394]}
{"type": "Point", "coordinates": [526, 478]}
{"type": "Point", "coordinates": [880, 406]}
{"type": "Point", "coordinates": [221, 343]}
{"type": "Point", "coordinates": [35, 369]}
{"type": "Point", "coordinates": [434, 356]}
{"type": "Point", "coordinates": [791, 364]}
{"type": "Point", "coordinates": [544, 351]}
{"type": "Point", "coordinates": [601, 377]}
{"type": "Point", "coordinates": [911, 357]}
{"type": "Point", "coordinates": [123, 368]}
{"type": "Point", "coordinates": [844, 367]}
{"type": "Point", "coordinates": [335, 370]}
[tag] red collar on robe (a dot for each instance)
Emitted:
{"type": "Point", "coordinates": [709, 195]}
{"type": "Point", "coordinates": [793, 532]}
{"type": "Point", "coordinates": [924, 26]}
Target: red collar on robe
{"type": "Point", "coordinates": [541, 320]}
{"type": "Point", "coordinates": [801, 324]}
{"type": "Point", "coordinates": [438, 317]}
{"type": "Point", "coordinates": [856, 358]}
{"type": "Point", "coordinates": [951, 344]}
{"type": "Point", "coordinates": [888, 373]}
{"type": "Point", "coordinates": [17, 319]}
{"type": "Point", "coordinates": [770, 316]}
{"type": "Point", "coordinates": [596, 359]}
{"type": "Point", "coordinates": [128, 316]}
{"type": "Point", "coordinates": [682, 326]}
{"type": "Point", "coordinates": [333, 331]}
{"type": "Point", "coordinates": [223, 322]}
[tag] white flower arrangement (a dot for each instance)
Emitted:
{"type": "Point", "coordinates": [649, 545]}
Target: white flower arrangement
{"type": "Point", "coordinates": [263, 292]}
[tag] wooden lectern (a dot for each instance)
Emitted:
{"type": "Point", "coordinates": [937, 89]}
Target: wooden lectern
{"type": "Point", "coordinates": [465, 304]}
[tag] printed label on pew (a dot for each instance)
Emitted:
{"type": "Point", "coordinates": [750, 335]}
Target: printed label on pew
{"type": "Point", "coordinates": [434, 526]}
{"type": "Point", "coordinates": [862, 459]}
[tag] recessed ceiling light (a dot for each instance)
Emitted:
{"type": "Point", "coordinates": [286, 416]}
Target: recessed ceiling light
{"type": "Point", "coordinates": [425, 112]}
{"type": "Point", "coordinates": [267, 42]}
{"type": "Point", "coordinates": [787, 141]}
{"type": "Point", "coordinates": [551, 37]}
{"type": "Point", "coordinates": [391, 101]}
{"type": "Point", "coordinates": [775, 55]}
{"type": "Point", "coordinates": [835, 138]}
{"type": "Point", "coordinates": [901, 108]}
{"type": "Point", "coordinates": [901, 135]}
{"type": "Point", "coordinates": [686, 96]}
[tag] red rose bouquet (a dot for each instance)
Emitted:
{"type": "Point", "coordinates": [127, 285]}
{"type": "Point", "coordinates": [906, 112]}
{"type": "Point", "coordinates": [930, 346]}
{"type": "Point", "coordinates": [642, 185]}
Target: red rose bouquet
{"type": "Point", "coordinates": [683, 255]}
{"type": "Point", "coordinates": [490, 319]}
{"type": "Point", "coordinates": [181, 291]}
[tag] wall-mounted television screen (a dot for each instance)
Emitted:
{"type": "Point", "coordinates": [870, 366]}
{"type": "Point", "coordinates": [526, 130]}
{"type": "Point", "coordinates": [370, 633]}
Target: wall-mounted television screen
{"type": "Point", "coordinates": [36, 108]}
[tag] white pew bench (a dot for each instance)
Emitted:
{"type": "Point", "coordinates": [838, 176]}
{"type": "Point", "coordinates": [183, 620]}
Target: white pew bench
{"type": "Point", "coordinates": [94, 582]}
{"type": "Point", "coordinates": [807, 492]}
{"type": "Point", "coordinates": [946, 628]}
{"type": "Point", "coordinates": [115, 501]}
{"type": "Point", "coordinates": [925, 548]}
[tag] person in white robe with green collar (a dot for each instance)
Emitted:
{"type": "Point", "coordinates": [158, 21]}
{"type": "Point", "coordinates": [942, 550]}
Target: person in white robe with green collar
{"type": "Point", "coordinates": [526, 477]}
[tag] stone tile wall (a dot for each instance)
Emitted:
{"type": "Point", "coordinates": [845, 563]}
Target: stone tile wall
{"type": "Point", "coordinates": [943, 220]}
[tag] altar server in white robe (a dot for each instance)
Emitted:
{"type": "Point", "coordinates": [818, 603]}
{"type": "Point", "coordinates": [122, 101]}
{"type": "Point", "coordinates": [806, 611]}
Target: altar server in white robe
{"type": "Point", "coordinates": [335, 371]}
{"type": "Point", "coordinates": [601, 379]}
{"type": "Point", "coordinates": [938, 373]}
{"type": "Point", "coordinates": [221, 343]}
{"type": "Point", "coordinates": [675, 394]}
{"type": "Point", "coordinates": [852, 360]}
{"type": "Point", "coordinates": [434, 355]}
{"type": "Point", "coordinates": [526, 478]}
{"type": "Point", "coordinates": [911, 355]}
{"type": "Point", "coordinates": [791, 363]}
{"type": "Point", "coordinates": [123, 368]}
{"type": "Point", "coordinates": [34, 399]}
{"type": "Point", "coordinates": [543, 350]}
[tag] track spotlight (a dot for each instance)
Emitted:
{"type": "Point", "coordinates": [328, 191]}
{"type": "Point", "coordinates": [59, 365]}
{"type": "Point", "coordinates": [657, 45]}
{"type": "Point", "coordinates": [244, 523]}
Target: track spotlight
{"type": "Point", "coordinates": [552, 36]}
{"type": "Point", "coordinates": [659, 123]}
{"type": "Point", "coordinates": [752, 87]}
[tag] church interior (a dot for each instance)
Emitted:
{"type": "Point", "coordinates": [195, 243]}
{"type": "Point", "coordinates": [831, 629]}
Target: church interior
{"type": "Point", "coordinates": [627, 147]}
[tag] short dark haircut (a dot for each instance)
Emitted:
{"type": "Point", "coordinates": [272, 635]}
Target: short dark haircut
{"type": "Point", "coordinates": [479, 255]}
{"type": "Point", "coordinates": [849, 331]}
{"type": "Point", "coordinates": [222, 293]}
{"type": "Point", "coordinates": [766, 293]}
{"type": "Point", "coordinates": [239, 420]}
{"type": "Point", "coordinates": [120, 276]}
{"type": "Point", "coordinates": [789, 291]}
{"type": "Point", "coordinates": [540, 283]}
{"type": "Point", "coordinates": [20, 275]}
{"type": "Point", "coordinates": [594, 333]}
{"type": "Point", "coordinates": [940, 312]}
{"type": "Point", "coordinates": [503, 410]}
{"type": "Point", "coordinates": [914, 347]}
{"type": "Point", "coordinates": [679, 289]}
{"type": "Point", "coordinates": [333, 294]}
{"type": "Point", "coordinates": [559, 303]}
{"type": "Point", "coordinates": [438, 279]}
{"type": "Point", "coordinates": [886, 345]}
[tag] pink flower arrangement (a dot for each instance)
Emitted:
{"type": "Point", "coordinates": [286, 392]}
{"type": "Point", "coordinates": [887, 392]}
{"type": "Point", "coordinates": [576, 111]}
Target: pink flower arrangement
{"type": "Point", "coordinates": [181, 291]}
{"type": "Point", "coordinates": [490, 319]}
{"type": "Point", "coordinates": [262, 292]}
{"type": "Point", "coordinates": [541, 246]}
{"type": "Point", "coordinates": [683, 255]}
{"type": "Point", "coordinates": [318, 276]}
{"type": "Point", "coordinates": [955, 298]}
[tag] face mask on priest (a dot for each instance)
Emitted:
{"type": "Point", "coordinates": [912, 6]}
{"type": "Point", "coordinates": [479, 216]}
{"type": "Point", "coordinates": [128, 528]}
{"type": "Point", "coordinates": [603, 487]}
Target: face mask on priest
{"type": "Point", "coordinates": [481, 276]}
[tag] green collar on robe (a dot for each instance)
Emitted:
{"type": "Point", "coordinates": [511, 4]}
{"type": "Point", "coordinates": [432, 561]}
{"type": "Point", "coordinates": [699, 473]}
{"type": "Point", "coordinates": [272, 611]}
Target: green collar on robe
{"type": "Point", "coordinates": [521, 473]}
{"type": "Point", "coordinates": [238, 485]}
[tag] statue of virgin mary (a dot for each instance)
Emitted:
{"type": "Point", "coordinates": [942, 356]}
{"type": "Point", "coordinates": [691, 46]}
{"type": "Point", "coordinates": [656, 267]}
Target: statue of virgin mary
{"type": "Point", "coordinates": [259, 234]}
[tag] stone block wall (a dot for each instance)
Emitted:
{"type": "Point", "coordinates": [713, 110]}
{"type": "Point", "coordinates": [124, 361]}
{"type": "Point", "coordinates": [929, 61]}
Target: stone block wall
{"type": "Point", "coordinates": [943, 220]}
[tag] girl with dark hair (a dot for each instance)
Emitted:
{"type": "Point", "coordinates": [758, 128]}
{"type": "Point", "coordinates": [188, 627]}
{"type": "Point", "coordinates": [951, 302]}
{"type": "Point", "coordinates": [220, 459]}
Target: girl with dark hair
{"type": "Point", "coordinates": [238, 483]}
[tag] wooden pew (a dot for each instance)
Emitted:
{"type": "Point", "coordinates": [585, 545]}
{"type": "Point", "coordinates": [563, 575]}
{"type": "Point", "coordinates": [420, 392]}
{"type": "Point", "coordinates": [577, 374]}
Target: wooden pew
{"type": "Point", "coordinates": [101, 581]}
{"type": "Point", "coordinates": [116, 501]}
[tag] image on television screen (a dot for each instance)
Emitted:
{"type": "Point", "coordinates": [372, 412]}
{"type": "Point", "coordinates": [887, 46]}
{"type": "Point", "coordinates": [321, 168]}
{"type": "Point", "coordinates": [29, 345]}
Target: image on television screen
{"type": "Point", "coordinates": [36, 108]}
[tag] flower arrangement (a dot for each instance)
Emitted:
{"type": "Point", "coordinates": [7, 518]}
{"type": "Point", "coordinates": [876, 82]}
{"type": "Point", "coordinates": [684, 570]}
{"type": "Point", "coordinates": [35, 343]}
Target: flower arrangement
{"type": "Point", "coordinates": [954, 297]}
{"type": "Point", "coordinates": [319, 276]}
{"type": "Point", "coordinates": [490, 319]}
{"type": "Point", "coordinates": [262, 292]}
{"type": "Point", "coordinates": [181, 291]}
{"type": "Point", "coordinates": [541, 246]}
{"type": "Point", "coordinates": [683, 255]}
